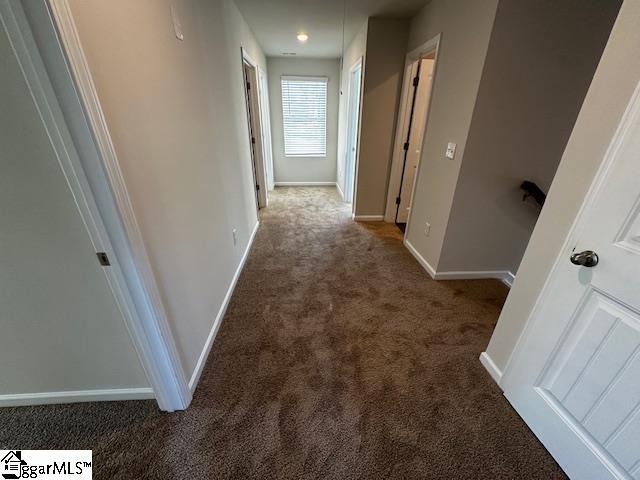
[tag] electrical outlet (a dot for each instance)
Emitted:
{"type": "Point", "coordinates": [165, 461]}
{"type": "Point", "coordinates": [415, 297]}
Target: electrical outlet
{"type": "Point", "coordinates": [235, 237]}
{"type": "Point", "coordinates": [427, 229]}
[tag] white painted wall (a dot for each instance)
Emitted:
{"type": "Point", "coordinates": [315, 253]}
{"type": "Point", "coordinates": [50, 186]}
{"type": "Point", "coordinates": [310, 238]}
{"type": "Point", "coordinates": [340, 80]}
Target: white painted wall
{"type": "Point", "coordinates": [177, 117]}
{"type": "Point", "coordinates": [304, 169]}
{"type": "Point", "coordinates": [62, 330]}
{"type": "Point", "coordinates": [355, 51]}
{"type": "Point", "coordinates": [615, 79]}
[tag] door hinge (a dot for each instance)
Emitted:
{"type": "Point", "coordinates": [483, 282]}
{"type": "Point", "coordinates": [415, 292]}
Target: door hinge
{"type": "Point", "coordinates": [103, 259]}
{"type": "Point", "coordinates": [253, 139]}
{"type": "Point", "coordinates": [248, 85]}
{"type": "Point", "coordinates": [405, 146]}
{"type": "Point", "coordinates": [257, 187]}
{"type": "Point", "coordinates": [397, 200]}
{"type": "Point", "coordinates": [416, 81]}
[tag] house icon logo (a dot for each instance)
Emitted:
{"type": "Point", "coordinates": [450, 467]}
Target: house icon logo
{"type": "Point", "coordinates": [11, 464]}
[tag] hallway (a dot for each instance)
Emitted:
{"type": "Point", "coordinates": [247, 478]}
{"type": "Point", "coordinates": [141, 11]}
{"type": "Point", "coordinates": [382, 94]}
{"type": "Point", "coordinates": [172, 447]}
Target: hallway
{"type": "Point", "coordinates": [338, 358]}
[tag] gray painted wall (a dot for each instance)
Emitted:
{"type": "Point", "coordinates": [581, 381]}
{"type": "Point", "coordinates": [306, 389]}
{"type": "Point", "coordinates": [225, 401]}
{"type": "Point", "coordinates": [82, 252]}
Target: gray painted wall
{"type": "Point", "coordinates": [615, 80]}
{"type": "Point", "coordinates": [540, 62]}
{"type": "Point", "coordinates": [62, 329]}
{"type": "Point", "coordinates": [176, 113]}
{"type": "Point", "coordinates": [304, 169]}
{"type": "Point", "coordinates": [465, 26]}
{"type": "Point", "coordinates": [383, 74]}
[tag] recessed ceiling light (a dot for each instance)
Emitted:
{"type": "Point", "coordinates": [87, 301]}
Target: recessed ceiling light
{"type": "Point", "coordinates": [303, 37]}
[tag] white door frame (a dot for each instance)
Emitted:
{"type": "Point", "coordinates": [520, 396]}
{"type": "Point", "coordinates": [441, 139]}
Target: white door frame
{"type": "Point", "coordinates": [521, 354]}
{"type": "Point", "coordinates": [357, 64]}
{"type": "Point", "coordinates": [265, 119]}
{"type": "Point", "coordinates": [256, 129]}
{"type": "Point", "coordinates": [573, 236]}
{"type": "Point", "coordinates": [116, 232]}
{"type": "Point", "coordinates": [395, 175]}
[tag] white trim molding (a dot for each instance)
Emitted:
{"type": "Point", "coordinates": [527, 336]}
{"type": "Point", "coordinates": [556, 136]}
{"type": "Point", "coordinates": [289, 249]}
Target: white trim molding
{"type": "Point", "coordinates": [305, 184]}
{"type": "Point", "coordinates": [508, 279]}
{"type": "Point", "coordinates": [340, 191]}
{"type": "Point", "coordinates": [421, 260]}
{"type": "Point", "coordinates": [352, 170]}
{"type": "Point", "coordinates": [147, 320]}
{"type": "Point", "coordinates": [254, 127]}
{"type": "Point", "coordinates": [247, 56]}
{"type": "Point", "coordinates": [47, 398]}
{"type": "Point", "coordinates": [397, 161]}
{"type": "Point", "coordinates": [367, 218]}
{"type": "Point", "coordinates": [504, 276]}
{"type": "Point", "coordinates": [491, 367]}
{"type": "Point", "coordinates": [202, 360]}
{"type": "Point", "coordinates": [632, 112]}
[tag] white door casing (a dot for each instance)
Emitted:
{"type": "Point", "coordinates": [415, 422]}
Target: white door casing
{"type": "Point", "coordinates": [416, 136]}
{"type": "Point", "coordinates": [131, 284]}
{"type": "Point", "coordinates": [404, 119]}
{"type": "Point", "coordinates": [574, 376]}
{"type": "Point", "coordinates": [64, 334]}
{"type": "Point", "coordinates": [353, 117]}
{"type": "Point", "coordinates": [255, 129]}
{"type": "Point", "coordinates": [265, 118]}
{"type": "Point", "coordinates": [428, 49]}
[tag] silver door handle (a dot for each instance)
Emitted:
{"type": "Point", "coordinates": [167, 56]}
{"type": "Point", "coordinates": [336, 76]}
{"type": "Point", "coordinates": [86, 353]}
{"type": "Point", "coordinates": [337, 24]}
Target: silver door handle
{"type": "Point", "coordinates": [588, 258]}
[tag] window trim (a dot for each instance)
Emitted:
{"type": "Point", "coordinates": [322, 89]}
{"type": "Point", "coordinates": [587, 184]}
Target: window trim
{"type": "Point", "coordinates": [307, 78]}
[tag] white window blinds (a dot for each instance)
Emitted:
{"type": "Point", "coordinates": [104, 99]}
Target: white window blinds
{"type": "Point", "coordinates": [304, 116]}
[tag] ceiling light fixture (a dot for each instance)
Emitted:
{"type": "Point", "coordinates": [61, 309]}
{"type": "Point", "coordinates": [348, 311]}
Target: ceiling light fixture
{"type": "Point", "coordinates": [303, 37]}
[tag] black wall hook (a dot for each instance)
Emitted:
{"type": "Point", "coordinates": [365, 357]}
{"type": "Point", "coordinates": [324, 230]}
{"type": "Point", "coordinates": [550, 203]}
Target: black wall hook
{"type": "Point", "coordinates": [532, 190]}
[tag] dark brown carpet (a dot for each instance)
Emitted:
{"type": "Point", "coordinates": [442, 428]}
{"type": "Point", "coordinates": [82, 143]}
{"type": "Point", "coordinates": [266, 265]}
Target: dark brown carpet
{"type": "Point", "coordinates": [338, 359]}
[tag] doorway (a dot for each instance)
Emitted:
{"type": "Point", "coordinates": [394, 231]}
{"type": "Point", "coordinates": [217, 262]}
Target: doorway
{"type": "Point", "coordinates": [106, 240]}
{"type": "Point", "coordinates": [412, 121]}
{"type": "Point", "coordinates": [256, 129]}
{"type": "Point", "coordinates": [573, 375]}
{"type": "Point", "coordinates": [353, 120]}
{"type": "Point", "coordinates": [263, 90]}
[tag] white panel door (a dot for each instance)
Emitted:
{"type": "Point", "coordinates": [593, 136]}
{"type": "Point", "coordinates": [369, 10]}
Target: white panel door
{"type": "Point", "coordinates": [62, 327]}
{"type": "Point", "coordinates": [575, 375]}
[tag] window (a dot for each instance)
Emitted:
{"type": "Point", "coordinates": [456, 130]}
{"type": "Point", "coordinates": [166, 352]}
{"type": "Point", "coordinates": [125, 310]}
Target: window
{"type": "Point", "coordinates": [304, 116]}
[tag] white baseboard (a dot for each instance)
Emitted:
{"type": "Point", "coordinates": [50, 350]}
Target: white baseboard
{"type": "Point", "coordinates": [340, 191]}
{"type": "Point", "coordinates": [491, 367]}
{"type": "Point", "coordinates": [305, 184]}
{"type": "Point", "coordinates": [421, 260]}
{"type": "Point", "coordinates": [508, 279]}
{"type": "Point", "coordinates": [368, 218]}
{"type": "Point", "coordinates": [197, 371]}
{"type": "Point", "coordinates": [48, 398]}
{"type": "Point", "coordinates": [503, 275]}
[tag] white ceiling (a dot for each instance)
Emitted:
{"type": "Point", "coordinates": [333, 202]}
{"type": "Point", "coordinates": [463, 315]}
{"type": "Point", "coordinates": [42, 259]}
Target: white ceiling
{"type": "Point", "coordinates": [276, 23]}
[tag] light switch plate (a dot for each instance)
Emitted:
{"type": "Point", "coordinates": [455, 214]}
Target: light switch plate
{"type": "Point", "coordinates": [451, 150]}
